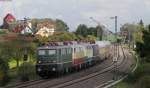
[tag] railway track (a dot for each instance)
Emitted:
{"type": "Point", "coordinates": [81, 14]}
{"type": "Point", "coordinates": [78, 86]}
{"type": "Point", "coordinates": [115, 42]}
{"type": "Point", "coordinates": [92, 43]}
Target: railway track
{"type": "Point", "coordinates": [47, 83]}
{"type": "Point", "coordinates": [108, 69]}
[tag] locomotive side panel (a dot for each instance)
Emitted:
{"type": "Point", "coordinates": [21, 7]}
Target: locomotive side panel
{"type": "Point", "coordinates": [96, 53]}
{"type": "Point", "coordinates": [104, 47]}
{"type": "Point", "coordinates": [78, 55]}
{"type": "Point", "coordinates": [65, 58]}
{"type": "Point", "coordinates": [89, 53]}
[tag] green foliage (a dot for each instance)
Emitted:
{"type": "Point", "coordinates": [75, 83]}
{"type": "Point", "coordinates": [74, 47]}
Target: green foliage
{"type": "Point", "coordinates": [123, 85]}
{"type": "Point", "coordinates": [2, 32]}
{"type": "Point", "coordinates": [139, 79]}
{"type": "Point", "coordinates": [4, 78]}
{"type": "Point", "coordinates": [143, 82]}
{"type": "Point", "coordinates": [39, 39]}
{"type": "Point", "coordinates": [111, 38]}
{"type": "Point", "coordinates": [100, 32]}
{"type": "Point", "coordinates": [79, 37]}
{"type": "Point", "coordinates": [144, 47]}
{"type": "Point", "coordinates": [92, 31]}
{"type": "Point", "coordinates": [61, 26]}
{"type": "Point", "coordinates": [91, 38]}
{"type": "Point", "coordinates": [16, 49]}
{"type": "Point", "coordinates": [132, 32]}
{"type": "Point", "coordinates": [63, 36]}
{"type": "Point", "coordinates": [25, 71]}
{"type": "Point", "coordinates": [82, 30]}
{"type": "Point", "coordinates": [142, 70]}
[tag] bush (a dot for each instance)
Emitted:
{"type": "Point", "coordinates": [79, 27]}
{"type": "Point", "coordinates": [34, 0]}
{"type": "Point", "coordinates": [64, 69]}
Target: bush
{"type": "Point", "coordinates": [131, 78]}
{"type": "Point", "coordinates": [26, 71]}
{"type": "Point", "coordinates": [2, 32]}
{"type": "Point", "coordinates": [143, 82]}
{"type": "Point", "coordinates": [122, 85]}
{"type": "Point", "coordinates": [142, 70]}
{"type": "Point", "coordinates": [4, 78]}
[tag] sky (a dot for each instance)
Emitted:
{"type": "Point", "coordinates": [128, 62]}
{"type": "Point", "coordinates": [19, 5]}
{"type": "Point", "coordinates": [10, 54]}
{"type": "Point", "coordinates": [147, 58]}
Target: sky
{"type": "Point", "coordinates": [75, 12]}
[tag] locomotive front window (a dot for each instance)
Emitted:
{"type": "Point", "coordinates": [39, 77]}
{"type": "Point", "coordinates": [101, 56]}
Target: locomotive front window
{"type": "Point", "coordinates": [51, 52]}
{"type": "Point", "coordinates": [41, 52]}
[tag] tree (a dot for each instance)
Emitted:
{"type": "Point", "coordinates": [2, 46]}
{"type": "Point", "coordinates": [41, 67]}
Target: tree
{"type": "Point", "coordinates": [92, 31]}
{"type": "Point", "coordinates": [3, 71]}
{"type": "Point", "coordinates": [91, 38]}
{"type": "Point", "coordinates": [143, 82]}
{"type": "Point", "coordinates": [99, 32]}
{"type": "Point", "coordinates": [82, 29]}
{"type": "Point", "coordinates": [63, 36]}
{"type": "Point", "coordinates": [61, 26]}
{"type": "Point", "coordinates": [132, 33]}
{"type": "Point", "coordinates": [4, 67]}
{"type": "Point", "coordinates": [141, 23]}
{"type": "Point", "coordinates": [143, 48]}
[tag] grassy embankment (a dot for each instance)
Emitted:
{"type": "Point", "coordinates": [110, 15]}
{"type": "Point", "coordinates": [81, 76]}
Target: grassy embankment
{"type": "Point", "coordinates": [13, 72]}
{"type": "Point", "coordinates": [140, 78]}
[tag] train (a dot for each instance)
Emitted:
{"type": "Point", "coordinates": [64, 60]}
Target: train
{"type": "Point", "coordinates": [65, 57]}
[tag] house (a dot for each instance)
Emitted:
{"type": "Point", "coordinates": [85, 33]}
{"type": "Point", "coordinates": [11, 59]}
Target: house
{"type": "Point", "coordinates": [18, 28]}
{"type": "Point", "coordinates": [27, 29]}
{"type": "Point", "coordinates": [8, 19]}
{"type": "Point", "coordinates": [23, 27]}
{"type": "Point", "coordinates": [45, 29]}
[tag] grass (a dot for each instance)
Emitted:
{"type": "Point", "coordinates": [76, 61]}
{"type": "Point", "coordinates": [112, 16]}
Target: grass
{"type": "Point", "coordinates": [13, 73]}
{"type": "Point", "coordinates": [123, 85]}
{"type": "Point", "coordinates": [125, 46]}
{"type": "Point", "coordinates": [12, 64]}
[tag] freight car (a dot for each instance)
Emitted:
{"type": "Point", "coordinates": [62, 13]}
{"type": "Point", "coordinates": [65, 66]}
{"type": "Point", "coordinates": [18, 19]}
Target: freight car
{"type": "Point", "coordinates": [66, 57]}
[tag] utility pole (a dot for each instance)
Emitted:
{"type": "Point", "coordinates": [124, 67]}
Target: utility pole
{"type": "Point", "coordinates": [115, 58]}
{"type": "Point", "coordinates": [129, 39]}
{"type": "Point", "coordinates": [116, 20]}
{"type": "Point", "coordinates": [116, 25]}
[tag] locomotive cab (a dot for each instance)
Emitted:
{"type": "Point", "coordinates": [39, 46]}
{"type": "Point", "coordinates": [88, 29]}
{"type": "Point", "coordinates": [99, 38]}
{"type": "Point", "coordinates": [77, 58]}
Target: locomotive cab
{"type": "Point", "coordinates": [52, 60]}
{"type": "Point", "coordinates": [47, 56]}
{"type": "Point", "coordinates": [46, 59]}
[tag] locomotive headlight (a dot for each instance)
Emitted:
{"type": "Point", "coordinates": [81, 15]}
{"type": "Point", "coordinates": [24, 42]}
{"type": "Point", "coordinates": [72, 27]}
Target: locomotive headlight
{"type": "Point", "coordinates": [39, 61]}
{"type": "Point", "coordinates": [39, 69]}
{"type": "Point", "coordinates": [53, 69]}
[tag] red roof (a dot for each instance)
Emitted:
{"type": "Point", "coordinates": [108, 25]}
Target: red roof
{"type": "Point", "coordinates": [9, 18]}
{"type": "Point", "coordinates": [18, 28]}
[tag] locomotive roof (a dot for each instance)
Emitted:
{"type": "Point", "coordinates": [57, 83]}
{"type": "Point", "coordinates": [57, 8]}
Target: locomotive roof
{"type": "Point", "coordinates": [65, 46]}
{"type": "Point", "coordinates": [102, 43]}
